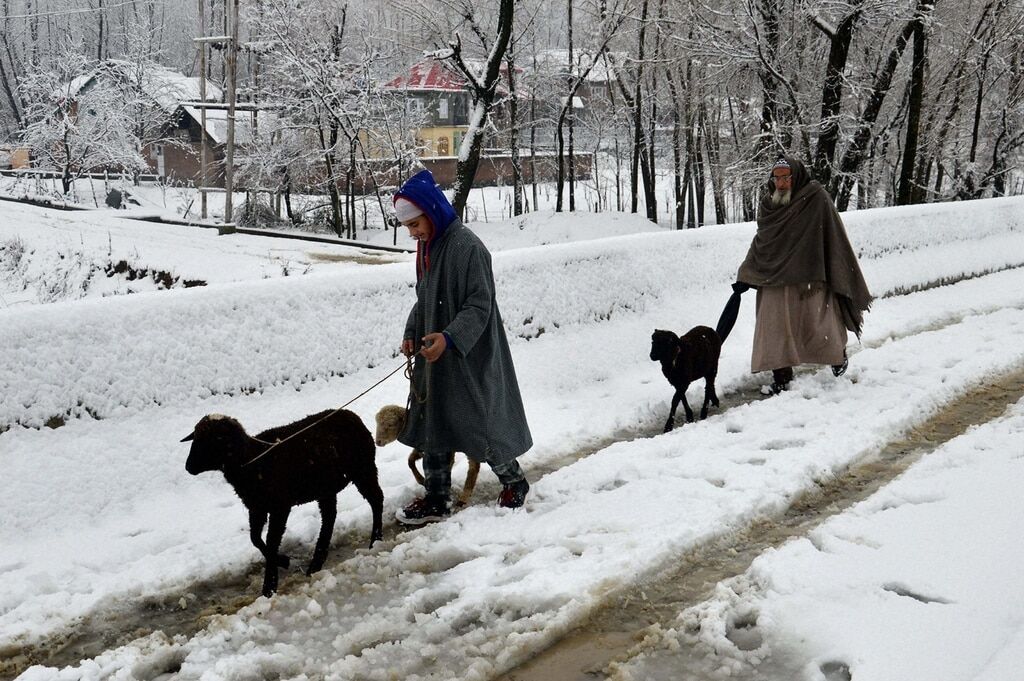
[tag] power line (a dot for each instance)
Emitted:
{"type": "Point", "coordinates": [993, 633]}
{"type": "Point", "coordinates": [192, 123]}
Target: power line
{"type": "Point", "coordinates": [67, 12]}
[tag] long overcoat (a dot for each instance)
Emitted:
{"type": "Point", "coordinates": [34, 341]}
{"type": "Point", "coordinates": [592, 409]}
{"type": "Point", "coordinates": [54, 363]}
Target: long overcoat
{"type": "Point", "coordinates": [468, 400]}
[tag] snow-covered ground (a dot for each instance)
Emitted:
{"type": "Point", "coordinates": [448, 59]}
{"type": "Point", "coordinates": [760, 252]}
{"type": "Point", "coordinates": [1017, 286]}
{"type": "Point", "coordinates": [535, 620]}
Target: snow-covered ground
{"type": "Point", "coordinates": [99, 513]}
{"type": "Point", "coordinates": [484, 205]}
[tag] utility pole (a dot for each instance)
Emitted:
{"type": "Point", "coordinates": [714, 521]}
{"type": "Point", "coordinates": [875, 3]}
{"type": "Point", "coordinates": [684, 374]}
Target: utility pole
{"type": "Point", "coordinates": [202, 111]}
{"type": "Point", "coordinates": [232, 82]}
{"type": "Point", "coordinates": [230, 42]}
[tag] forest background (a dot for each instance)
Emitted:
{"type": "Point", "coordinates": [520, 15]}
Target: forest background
{"type": "Point", "coordinates": [891, 102]}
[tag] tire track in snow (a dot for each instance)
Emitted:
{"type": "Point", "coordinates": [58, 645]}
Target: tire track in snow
{"type": "Point", "coordinates": [616, 632]}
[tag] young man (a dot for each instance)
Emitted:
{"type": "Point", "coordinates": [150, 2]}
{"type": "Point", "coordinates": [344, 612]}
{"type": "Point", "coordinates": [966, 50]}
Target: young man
{"type": "Point", "coordinates": [810, 289]}
{"type": "Point", "coordinates": [465, 395]}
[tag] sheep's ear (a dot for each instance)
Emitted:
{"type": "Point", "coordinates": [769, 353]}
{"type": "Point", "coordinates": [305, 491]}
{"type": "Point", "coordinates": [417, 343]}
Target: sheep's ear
{"type": "Point", "coordinates": [188, 437]}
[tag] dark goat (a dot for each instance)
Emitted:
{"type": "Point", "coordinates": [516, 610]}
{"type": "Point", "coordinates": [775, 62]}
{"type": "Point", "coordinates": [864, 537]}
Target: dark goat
{"type": "Point", "coordinates": [684, 360]}
{"type": "Point", "coordinates": [312, 466]}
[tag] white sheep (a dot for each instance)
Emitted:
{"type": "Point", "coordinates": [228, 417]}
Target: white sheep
{"type": "Point", "coordinates": [391, 421]}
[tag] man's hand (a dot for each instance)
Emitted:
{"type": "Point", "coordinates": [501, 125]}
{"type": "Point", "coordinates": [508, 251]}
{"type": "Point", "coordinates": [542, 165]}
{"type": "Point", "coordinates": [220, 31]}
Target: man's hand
{"type": "Point", "coordinates": [407, 347]}
{"type": "Point", "coordinates": [434, 345]}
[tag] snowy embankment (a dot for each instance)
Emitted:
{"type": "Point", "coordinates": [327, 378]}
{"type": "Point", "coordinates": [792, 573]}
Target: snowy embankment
{"type": "Point", "coordinates": [250, 336]}
{"type": "Point", "coordinates": [48, 256]}
{"type": "Point", "coordinates": [102, 511]}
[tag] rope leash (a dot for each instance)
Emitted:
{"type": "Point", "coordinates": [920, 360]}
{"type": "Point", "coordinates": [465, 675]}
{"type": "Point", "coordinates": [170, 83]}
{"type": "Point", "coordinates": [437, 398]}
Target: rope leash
{"type": "Point", "coordinates": [413, 394]}
{"type": "Point", "coordinates": [408, 372]}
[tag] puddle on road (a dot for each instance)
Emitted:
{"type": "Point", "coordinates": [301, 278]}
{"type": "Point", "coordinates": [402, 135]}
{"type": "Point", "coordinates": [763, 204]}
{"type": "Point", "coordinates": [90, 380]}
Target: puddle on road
{"type": "Point", "coordinates": [620, 625]}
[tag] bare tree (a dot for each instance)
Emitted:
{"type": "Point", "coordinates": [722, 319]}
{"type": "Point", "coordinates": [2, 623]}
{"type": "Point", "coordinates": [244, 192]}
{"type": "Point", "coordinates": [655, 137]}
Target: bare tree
{"type": "Point", "coordinates": [482, 84]}
{"type": "Point", "coordinates": [78, 120]}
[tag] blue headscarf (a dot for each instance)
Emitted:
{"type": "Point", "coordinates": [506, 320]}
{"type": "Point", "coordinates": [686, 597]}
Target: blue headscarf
{"type": "Point", "coordinates": [424, 192]}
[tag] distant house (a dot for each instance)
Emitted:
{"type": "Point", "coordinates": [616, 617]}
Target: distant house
{"type": "Point", "coordinates": [436, 95]}
{"type": "Point", "coordinates": [14, 158]}
{"type": "Point", "coordinates": [437, 99]}
{"type": "Point", "coordinates": [178, 134]}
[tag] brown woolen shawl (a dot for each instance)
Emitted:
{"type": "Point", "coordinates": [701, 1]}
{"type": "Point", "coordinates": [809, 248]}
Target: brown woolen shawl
{"type": "Point", "coordinates": [805, 242]}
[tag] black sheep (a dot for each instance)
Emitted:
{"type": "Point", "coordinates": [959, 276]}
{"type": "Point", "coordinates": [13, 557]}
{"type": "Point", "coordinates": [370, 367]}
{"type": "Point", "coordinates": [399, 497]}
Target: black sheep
{"type": "Point", "coordinates": [684, 360]}
{"type": "Point", "coordinates": [314, 465]}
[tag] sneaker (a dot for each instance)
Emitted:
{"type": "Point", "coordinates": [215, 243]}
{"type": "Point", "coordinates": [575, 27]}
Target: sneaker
{"type": "Point", "coordinates": [514, 494]}
{"type": "Point", "coordinates": [424, 510]}
{"type": "Point", "coordinates": [840, 369]}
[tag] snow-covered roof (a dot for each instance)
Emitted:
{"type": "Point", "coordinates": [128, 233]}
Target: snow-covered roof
{"type": "Point", "coordinates": [166, 87]}
{"type": "Point", "coordinates": [439, 75]}
{"type": "Point", "coordinates": [603, 71]}
{"type": "Point", "coordinates": [169, 88]}
{"type": "Point", "coordinates": [431, 74]}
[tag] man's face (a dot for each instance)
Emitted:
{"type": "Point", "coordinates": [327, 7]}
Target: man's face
{"type": "Point", "coordinates": [420, 228]}
{"type": "Point", "coordinates": [783, 178]}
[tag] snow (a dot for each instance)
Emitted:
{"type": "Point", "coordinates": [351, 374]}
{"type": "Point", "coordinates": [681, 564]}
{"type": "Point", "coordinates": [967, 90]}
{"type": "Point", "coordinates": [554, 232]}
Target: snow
{"type": "Point", "coordinates": [166, 87]}
{"type": "Point", "coordinates": [101, 513]}
{"type": "Point", "coordinates": [914, 583]}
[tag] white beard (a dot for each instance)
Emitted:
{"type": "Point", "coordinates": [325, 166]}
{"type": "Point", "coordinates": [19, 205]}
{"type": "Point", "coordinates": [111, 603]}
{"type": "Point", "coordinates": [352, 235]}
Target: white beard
{"type": "Point", "coordinates": [781, 198]}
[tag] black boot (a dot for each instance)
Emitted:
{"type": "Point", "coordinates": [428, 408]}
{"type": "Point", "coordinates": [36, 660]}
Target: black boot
{"type": "Point", "coordinates": [780, 379]}
{"type": "Point", "coordinates": [840, 369]}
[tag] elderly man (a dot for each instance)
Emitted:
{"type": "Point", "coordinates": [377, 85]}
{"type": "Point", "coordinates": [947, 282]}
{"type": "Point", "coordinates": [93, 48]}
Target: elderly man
{"type": "Point", "coordinates": [810, 290]}
{"type": "Point", "coordinates": [465, 395]}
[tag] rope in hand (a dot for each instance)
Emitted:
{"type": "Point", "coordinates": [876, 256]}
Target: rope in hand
{"type": "Point", "coordinates": [408, 372]}
{"type": "Point", "coordinates": [413, 393]}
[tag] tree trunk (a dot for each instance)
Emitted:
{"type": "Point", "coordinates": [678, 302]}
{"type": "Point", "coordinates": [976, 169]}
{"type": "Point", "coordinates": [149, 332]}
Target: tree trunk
{"type": "Point", "coordinates": [907, 194]}
{"type": "Point", "coordinates": [637, 106]}
{"type": "Point", "coordinates": [714, 146]}
{"type": "Point", "coordinates": [513, 113]}
{"type": "Point", "coordinates": [350, 187]}
{"type": "Point", "coordinates": [533, 129]}
{"type": "Point", "coordinates": [101, 14]}
{"type": "Point", "coordinates": [766, 142]}
{"type": "Point", "coordinates": [483, 98]}
{"type": "Point", "coordinates": [332, 180]}
{"type": "Point", "coordinates": [832, 96]}
{"type": "Point", "coordinates": [572, 120]}
{"type": "Point", "coordinates": [677, 152]}
{"type": "Point", "coordinates": [853, 157]}
{"type": "Point", "coordinates": [698, 168]}
{"type": "Point", "coordinates": [567, 113]}
{"type": "Point", "coordinates": [10, 93]}
{"type": "Point", "coordinates": [746, 204]}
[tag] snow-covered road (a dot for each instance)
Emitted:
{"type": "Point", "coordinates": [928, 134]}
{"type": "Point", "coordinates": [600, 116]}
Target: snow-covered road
{"type": "Point", "coordinates": [476, 595]}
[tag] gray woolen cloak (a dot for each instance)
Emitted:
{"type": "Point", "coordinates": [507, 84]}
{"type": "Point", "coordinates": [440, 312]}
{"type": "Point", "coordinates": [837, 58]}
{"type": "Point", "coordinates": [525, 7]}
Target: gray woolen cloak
{"type": "Point", "coordinates": [472, 402]}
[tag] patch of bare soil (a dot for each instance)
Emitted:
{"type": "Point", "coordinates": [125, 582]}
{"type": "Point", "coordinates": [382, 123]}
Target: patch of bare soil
{"type": "Point", "coordinates": [621, 624]}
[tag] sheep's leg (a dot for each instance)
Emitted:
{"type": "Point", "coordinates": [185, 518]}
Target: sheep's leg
{"type": "Point", "coordinates": [679, 396]}
{"type": "Point", "coordinates": [686, 405]}
{"type": "Point", "coordinates": [370, 489]}
{"type": "Point", "coordinates": [278, 520]}
{"type": "Point", "coordinates": [471, 476]}
{"type": "Point", "coordinates": [328, 513]}
{"type": "Point", "coordinates": [709, 395]}
{"type": "Point", "coordinates": [257, 519]}
{"type": "Point", "coordinates": [414, 456]}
